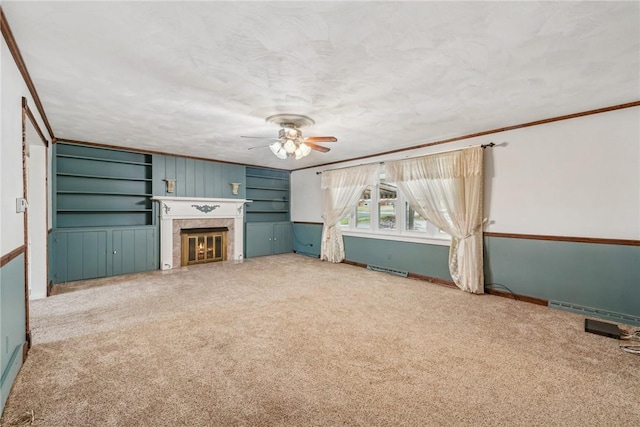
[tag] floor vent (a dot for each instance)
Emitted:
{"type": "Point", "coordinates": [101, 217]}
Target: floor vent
{"type": "Point", "coordinates": [594, 312]}
{"type": "Point", "coordinates": [388, 270]}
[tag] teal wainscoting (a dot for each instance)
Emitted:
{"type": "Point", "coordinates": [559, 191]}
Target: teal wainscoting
{"type": "Point", "coordinates": [306, 238]}
{"type": "Point", "coordinates": [601, 280]}
{"type": "Point", "coordinates": [197, 178]}
{"type": "Point", "coordinates": [592, 279]}
{"type": "Point", "coordinates": [12, 323]}
{"type": "Point", "coordinates": [417, 258]}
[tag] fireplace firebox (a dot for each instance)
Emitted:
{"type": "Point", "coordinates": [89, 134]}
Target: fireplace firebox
{"type": "Point", "coordinates": [202, 245]}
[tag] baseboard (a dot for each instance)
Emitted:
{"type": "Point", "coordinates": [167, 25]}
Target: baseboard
{"type": "Point", "coordinates": [525, 298]}
{"type": "Point", "coordinates": [309, 254]}
{"type": "Point", "coordinates": [595, 312]}
{"type": "Point", "coordinates": [430, 279]}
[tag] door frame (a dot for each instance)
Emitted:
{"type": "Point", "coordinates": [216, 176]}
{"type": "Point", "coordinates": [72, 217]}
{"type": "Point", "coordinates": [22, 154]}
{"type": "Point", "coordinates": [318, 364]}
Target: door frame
{"type": "Point", "coordinates": [28, 114]}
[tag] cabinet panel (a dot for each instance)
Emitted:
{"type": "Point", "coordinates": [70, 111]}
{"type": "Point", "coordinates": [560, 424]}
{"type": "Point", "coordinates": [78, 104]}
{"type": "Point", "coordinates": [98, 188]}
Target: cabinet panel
{"type": "Point", "coordinates": [92, 253]}
{"type": "Point", "coordinates": [74, 252]}
{"type": "Point", "coordinates": [59, 257]}
{"type": "Point", "coordinates": [268, 238]}
{"type": "Point", "coordinates": [134, 250]}
{"type": "Point", "coordinates": [282, 238]}
{"type": "Point", "coordinates": [259, 239]}
{"type": "Point", "coordinates": [94, 256]}
{"type": "Point", "coordinates": [79, 255]}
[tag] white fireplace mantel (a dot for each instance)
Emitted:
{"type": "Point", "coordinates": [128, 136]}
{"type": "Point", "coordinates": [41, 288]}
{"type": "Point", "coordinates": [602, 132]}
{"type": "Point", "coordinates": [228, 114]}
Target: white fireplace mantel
{"type": "Point", "coordinates": [172, 208]}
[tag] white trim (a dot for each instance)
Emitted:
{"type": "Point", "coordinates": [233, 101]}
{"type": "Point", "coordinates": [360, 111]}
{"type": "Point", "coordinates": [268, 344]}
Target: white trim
{"type": "Point", "coordinates": [397, 237]}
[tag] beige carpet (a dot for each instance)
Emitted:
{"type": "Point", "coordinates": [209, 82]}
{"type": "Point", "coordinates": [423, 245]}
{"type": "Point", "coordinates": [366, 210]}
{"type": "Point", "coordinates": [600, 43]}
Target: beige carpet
{"type": "Point", "coordinates": [290, 340]}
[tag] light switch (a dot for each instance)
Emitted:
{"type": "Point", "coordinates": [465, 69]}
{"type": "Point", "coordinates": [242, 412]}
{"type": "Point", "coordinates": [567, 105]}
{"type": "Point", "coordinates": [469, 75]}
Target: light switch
{"type": "Point", "coordinates": [21, 204]}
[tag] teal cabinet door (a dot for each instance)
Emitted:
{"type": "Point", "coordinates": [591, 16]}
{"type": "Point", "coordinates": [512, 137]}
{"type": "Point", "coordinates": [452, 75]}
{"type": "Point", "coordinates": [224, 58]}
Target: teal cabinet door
{"type": "Point", "coordinates": [282, 238]}
{"type": "Point", "coordinates": [59, 257]}
{"type": "Point", "coordinates": [268, 238]}
{"type": "Point", "coordinates": [91, 253]}
{"type": "Point", "coordinates": [79, 255]}
{"type": "Point", "coordinates": [133, 250]}
{"type": "Point", "coordinates": [259, 239]}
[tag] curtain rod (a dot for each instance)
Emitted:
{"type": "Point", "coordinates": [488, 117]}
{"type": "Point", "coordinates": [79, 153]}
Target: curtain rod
{"type": "Point", "coordinates": [489, 145]}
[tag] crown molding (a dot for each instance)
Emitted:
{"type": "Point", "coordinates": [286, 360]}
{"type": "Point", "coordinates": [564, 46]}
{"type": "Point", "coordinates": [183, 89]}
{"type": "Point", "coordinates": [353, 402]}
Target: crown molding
{"type": "Point", "coordinates": [483, 133]}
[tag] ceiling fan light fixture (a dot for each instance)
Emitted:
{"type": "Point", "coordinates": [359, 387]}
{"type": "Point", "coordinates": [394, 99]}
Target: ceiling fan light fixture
{"type": "Point", "coordinates": [278, 150]}
{"type": "Point", "coordinates": [290, 146]}
{"type": "Point", "coordinates": [290, 142]}
{"type": "Point", "coordinates": [304, 149]}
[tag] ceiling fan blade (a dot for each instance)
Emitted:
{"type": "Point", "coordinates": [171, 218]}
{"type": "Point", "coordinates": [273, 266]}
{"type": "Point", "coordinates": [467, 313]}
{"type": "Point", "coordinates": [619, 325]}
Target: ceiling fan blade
{"type": "Point", "coordinates": [317, 147]}
{"type": "Point", "coordinates": [313, 139]}
{"type": "Point", "coordinates": [258, 137]}
{"type": "Point", "coordinates": [258, 146]}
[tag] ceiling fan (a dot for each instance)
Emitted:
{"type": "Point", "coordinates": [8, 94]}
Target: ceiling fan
{"type": "Point", "coordinates": [290, 142]}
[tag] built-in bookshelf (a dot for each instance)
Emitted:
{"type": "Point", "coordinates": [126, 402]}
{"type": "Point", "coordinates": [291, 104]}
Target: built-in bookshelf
{"type": "Point", "coordinates": [269, 190]}
{"type": "Point", "coordinates": [98, 187]}
{"type": "Point", "coordinates": [267, 218]}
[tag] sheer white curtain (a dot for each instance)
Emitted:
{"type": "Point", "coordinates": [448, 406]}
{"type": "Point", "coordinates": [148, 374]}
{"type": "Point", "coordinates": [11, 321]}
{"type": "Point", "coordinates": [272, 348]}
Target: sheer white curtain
{"type": "Point", "coordinates": [446, 189]}
{"type": "Point", "coordinates": [341, 189]}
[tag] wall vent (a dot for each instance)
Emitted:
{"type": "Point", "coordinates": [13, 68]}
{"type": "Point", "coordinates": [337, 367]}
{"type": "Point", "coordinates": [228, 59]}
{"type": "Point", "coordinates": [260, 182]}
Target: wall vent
{"type": "Point", "coordinates": [388, 270]}
{"type": "Point", "coordinates": [594, 312]}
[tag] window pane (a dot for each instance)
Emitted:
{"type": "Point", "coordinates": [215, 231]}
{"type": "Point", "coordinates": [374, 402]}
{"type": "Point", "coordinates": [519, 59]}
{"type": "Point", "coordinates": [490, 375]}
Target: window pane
{"type": "Point", "coordinates": [363, 210]}
{"type": "Point", "coordinates": [387, 206]}
{"type": "Point", "coordinates": [414, 221]}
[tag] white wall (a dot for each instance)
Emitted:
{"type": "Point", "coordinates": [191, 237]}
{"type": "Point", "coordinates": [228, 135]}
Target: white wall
{"type": "Point", "coordinates": [306, 199]}
{"type": "Point", "coordinates": [577, 177]}
{"type": "Point", "coordinates": [13, 89]}
{"type": "Point", "coordinates": [11, 228]}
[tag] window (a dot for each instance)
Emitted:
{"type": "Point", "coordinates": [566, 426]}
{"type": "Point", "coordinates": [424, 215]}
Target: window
{"type": "Point", "coordinates": [414, 221]}
{"type": "Point", "coordinates": [387, 199]}
{"type": "Point", "coordinates": [363, 210]}
{"type": "Point", "coordinates": [383, 211]}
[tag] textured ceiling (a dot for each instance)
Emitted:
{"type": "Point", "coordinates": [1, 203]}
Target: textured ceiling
{"type": "Point", "coordinates": [191, 77]}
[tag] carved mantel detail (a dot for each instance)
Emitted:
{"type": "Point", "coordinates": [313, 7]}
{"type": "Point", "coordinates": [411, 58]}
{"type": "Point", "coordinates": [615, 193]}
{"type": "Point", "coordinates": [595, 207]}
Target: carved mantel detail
{"type": "Point", "coordinates": [205, 208]}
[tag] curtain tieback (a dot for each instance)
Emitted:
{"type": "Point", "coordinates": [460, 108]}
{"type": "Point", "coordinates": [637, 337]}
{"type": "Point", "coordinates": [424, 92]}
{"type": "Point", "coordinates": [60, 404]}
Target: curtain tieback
{"type": "Point", "coordinates": [475, 230]}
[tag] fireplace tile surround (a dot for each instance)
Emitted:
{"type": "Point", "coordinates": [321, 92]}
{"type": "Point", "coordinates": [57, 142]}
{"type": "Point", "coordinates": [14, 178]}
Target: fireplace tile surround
{"type": "Point", "coordinates": [177, 213]}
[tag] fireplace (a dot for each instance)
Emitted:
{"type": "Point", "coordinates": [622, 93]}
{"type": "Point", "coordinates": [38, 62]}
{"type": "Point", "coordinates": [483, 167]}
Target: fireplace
{"type": "Point", "coordinates": [182, 226]}
{"type": "Point", "coordinates": [203, 245]}
{"type": "Point", "coordinates": [178, 215]}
